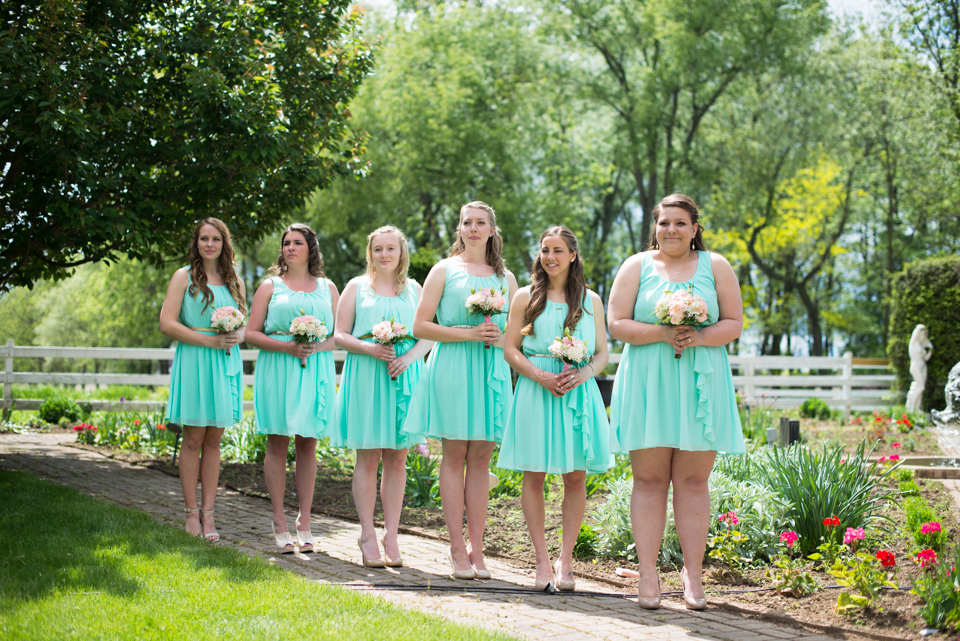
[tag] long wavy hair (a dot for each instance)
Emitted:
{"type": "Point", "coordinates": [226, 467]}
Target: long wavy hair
{"type": "Point", "coordinates": [575, 291]}
{"type": "Point", "coordinates": [225, 266]}
{"type": "Point", "coordinates": [685, 203]}
{"type": "Point", "coordinates": [400, 283]}
{"type": "Point", "coordinates": [314, 265]}
{"type": "Point", "coordinates": [494, 243]}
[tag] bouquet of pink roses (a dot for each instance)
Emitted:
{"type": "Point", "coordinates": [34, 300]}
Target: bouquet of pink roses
{"type": "Point", "coordinates": [680, 308]}
{"type": "Point", "coordinates": [389, 332]}
{"type": "Point", "coordinates": [487, 302]}
{"type": "Point", "coordinates": [227, 319]}
{"type": "Point", "coordinates": [571, 350]}
{"type": "Point", "coordinates": [307, 329]}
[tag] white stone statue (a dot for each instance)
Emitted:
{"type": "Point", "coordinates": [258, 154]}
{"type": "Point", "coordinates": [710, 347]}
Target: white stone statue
{"type": "Point", "coordinates": [919, 349]}
{"type": "Point", "coordinates": [952, 413]}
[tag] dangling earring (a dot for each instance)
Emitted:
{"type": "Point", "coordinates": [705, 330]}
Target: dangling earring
{"type": "Point", "coordinates": [692, 246]}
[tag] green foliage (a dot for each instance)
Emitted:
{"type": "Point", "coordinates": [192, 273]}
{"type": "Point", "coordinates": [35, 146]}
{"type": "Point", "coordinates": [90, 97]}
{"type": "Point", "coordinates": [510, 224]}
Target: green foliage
{"type": "Point", "coordinates": [128, 121]}
{"type": "Point", "coordinates": [587, 542]}
{"type": "Point", "coordinates": [613, 520]}
{"type": "Point", "coordinates": [918, 514]}
{"type": "Point", "coordinates": [815, 408]}
{"type": "Point", "coordinates": [817, 485]}
{"type": "Point", "coordinates": [922, 294]}
{"type": "Point", "coordinates": [864, 574]}
{"type": "Point", "coordinates": [53, 409]}
{"type": "Point", "coordinates": [621, 469]}
{"type": "Point", "coordinates": [242, 444]}
{"type": "Point", "coordinates": [422, 487]}
{"type": "Point", "coordinates": [724, 547]}
{"type": "Point", "coordinates": [939, 587]}
{"type": "Point", "coordinates": [790, 576]}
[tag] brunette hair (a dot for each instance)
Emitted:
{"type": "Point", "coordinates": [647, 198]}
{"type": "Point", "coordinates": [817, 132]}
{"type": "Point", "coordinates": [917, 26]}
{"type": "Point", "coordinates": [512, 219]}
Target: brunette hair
{"type": "Point", "coordinates": [314, 265]}
{"type": "Point", "coordinates": [401, 280]}
{"type": "Point", "coordinates": [225, 266]}
{"type": "Point", "coordinates": [685, 203]}
{"type": "Point", "coordinates": [494, 243]}
{"type": "Point", "coordinates": [576, 288]}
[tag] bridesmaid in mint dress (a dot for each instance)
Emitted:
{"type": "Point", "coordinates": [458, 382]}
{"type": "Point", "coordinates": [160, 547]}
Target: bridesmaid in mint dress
{"type": "Point", "coordinates": [464, 394]}
{"type": "Point", "coordinates": [290, 399]}
{"type": "Point", "coordinates": [376, 387]}
{"type": "Point", "coordinates": [558, 424]}
{"type": "Point", "coordinates": [674, 415]}
{"type": "Point", "coordinates": [206, 384]}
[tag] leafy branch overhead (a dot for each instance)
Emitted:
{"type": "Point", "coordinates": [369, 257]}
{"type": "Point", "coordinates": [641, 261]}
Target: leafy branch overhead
{"type": "Point", "coordinates": [124, 122]}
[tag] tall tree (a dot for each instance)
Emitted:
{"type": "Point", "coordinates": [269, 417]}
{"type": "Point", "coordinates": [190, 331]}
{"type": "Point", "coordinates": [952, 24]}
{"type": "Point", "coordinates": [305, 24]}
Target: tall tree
{"type": "Point", "coordinates": [122, 122]}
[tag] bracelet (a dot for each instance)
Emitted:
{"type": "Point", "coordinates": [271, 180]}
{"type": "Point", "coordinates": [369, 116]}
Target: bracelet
{"type": "Point", "coordinates": [590, 365]}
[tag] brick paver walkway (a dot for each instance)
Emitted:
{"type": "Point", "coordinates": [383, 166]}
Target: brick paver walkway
{"type": "Point", "coordinates": [423, 582]}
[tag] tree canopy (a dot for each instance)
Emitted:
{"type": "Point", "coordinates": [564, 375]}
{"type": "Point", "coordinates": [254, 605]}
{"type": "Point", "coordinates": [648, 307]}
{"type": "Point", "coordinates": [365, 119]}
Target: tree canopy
{"type": "Point", "coordinates": [124, 121]}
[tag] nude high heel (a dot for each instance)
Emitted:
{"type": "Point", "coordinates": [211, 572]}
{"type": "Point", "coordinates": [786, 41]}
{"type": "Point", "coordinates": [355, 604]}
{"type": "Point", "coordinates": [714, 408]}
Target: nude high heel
{"type": "Point", "coordinates": [370, 563]}
{"type": "Point", "coordinates": [390, 562]}
{"type": "Point", "coordinates": [283, 540]}
{"type": "Point", "coordinates": [460, 574]}
{"type": "Point", "coordinates": [649, 602]}
{"type": "Point", "coordinates": [563, 585]}
{"type": "Point", "coordinates": [214, 536]}
{"type": "Point", "coordinates": [691, 602]}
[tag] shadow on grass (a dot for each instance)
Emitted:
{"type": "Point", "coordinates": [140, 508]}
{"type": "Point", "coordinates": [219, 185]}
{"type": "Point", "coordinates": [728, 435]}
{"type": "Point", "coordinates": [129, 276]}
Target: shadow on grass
{"type": "Point", "coordinates": [54, 539]}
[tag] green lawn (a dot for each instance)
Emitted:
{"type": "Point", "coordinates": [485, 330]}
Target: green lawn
{"type": "Point", "coordinates": [73, 567]}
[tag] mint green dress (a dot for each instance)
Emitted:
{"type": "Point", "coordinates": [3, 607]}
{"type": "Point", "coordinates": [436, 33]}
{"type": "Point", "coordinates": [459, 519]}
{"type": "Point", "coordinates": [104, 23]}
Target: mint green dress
{"type": "Point", "coordinates": [288, 399]}
{"type": "Point", "coordinates": [660, 401]}
{"type": "Point", "coordinates": [550, 434]}
{"type": "Point", "coordinates": [465, 391]}
{"type": "Point", "coordinates": [371, 408]}
{"type": "Point", "coordinates": [206, 385]}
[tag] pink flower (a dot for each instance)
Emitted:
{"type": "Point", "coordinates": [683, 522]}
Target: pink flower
{"type": "Point", "coordinates": [894, 457]}
{"type": "Point", "coordinates": [926, 557]}
{"type": "Point", "coordinates": [930, 528]}
{"type": "Point", "coordinates": [896, 446]}
{"type": "Point", "coordinates": [883, 459]}
{"type": "Point", "coordinates": [730, 518]}
{"type": "Point", "coordinates": [789, 538]}
{"type": "Point", "coordinates": [423, 450]}
{"type": "Point", "coordinates": [843, 460]}
{"type": "Point", "coordinates": [853, 535]}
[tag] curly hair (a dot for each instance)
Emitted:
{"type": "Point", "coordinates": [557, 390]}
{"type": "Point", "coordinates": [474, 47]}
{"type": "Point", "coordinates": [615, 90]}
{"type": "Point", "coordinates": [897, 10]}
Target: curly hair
{"type": "Point", "coordinates": [314, 265]}
{"type": "Point", "coordinates": [494, 243]}
{"type": "Point", "coordinates": [400, 283]}
{"type": "Point", "coordinates": [575, 290]}
{"type": "Point", "coordinates": [225, 266]}
{"type": "Point", "coordinates": [685, 203]}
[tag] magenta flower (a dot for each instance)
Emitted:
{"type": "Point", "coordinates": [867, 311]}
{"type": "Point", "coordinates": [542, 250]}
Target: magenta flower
{"type": "Point", "coordinates": [896, 446]}
{"type": "Point", "coordinates": [853, 535]}
{"type": "Point", "coordinates": [730, 518]}
{"type": "Point", "coordinates": [926, 558]}
{"type": "Point", "coordinates": [843, 460]}
{"type": "Point", "coordinates": [930, 528]}
{"type": "Point", "coordinates": [423, 450]}
{"type": "Point", "coordinates": [894, 457]}
{"type": "Point", "coordinates": [789, 538]}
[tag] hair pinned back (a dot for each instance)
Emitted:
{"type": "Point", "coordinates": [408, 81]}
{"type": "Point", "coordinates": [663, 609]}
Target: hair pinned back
{"type": "Point", "coordinates": [685, 203]}
{"type": "Point", "coordinates": [494, 243]}
{"type": "Point", "coordinates": [400, 283]}
{"type": "Point", "coordinates": [314, 264]}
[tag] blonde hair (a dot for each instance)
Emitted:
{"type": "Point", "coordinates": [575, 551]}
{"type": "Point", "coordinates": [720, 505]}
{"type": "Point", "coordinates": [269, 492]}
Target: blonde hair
{"type": "Point", "coordinates": [494, 243]}
{"type": "Point", "coordinates": [400, 283]}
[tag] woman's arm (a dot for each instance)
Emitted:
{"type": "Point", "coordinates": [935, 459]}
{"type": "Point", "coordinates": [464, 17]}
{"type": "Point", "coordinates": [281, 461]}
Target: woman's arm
{"type": "Point", "coordinates": [623, 298]}
{"type": "Point", "coordinates": [424, 327]}
{"type": "Point", "coordinates": [171, 326]}
{"type": "Point", "coordinates": [331, 343]}
{"type": "Point", "coordinates": [729, 325]}
{"type": "Point", "coordinates": [418, 351]}
{"type": "Point", "coordinates": [258, 316]}
{"type": "Point", "coordinates": [346, 316]}
{"type": "Point", "coordinates": [513, 345]}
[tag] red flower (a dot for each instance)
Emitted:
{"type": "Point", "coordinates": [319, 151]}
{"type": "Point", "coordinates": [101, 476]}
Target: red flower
{"type": "Point", "coordinates": [894, 457]}
{"type": "Point", "coordinates": [926, 558]}
{"type": "Point", "coordinates": [831, 521]}
{"type": "Point", "coordinates": [136, 421]}
{"type": "Point", "coordinates": [161, 426]}
{"type": "Point", "coordinates": [78, 428]}
{"type": "Point", "coordinates": [886, 558]}
{"type": "Point", "coordinates": [92, 428]}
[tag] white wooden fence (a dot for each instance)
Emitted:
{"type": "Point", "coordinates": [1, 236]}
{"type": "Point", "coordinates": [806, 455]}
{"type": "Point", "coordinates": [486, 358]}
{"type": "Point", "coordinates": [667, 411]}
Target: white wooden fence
{"type": "Point", "coordinates": [780, 382]}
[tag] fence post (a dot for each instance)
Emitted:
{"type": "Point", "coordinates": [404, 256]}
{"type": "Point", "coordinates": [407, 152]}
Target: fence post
{"type": "Point", "coordinates": [748, 384]}
{"type": "Point", "coordinates": [7, 384]}
{"type": "Point", "coordinates": [847, 384]}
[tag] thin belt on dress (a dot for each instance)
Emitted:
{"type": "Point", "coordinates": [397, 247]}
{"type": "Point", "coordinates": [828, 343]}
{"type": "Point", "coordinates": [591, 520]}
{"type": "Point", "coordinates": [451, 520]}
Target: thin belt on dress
{"type": "Point", "coordinates": [544, 356]}
{"type": "Point", "coordinates": [203, 329]}
{"type": "Point", "coordinates": [279, 334]}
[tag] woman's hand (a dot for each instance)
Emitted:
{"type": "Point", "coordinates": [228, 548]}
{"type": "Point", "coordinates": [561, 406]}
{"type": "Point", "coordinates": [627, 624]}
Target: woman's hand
{"type": "Point", "coordinates": [549, 382]}
{"type": "Point", "coordinates": [485, 332]}
{"type": "Point", "coordinates": [223, 341]}
{"type": "Point", "coordinates": [685, 336]}
{"type": "Point", "coordinates": [301, 350]}
{"type": "Point", "coordinates": [385, 353]}
{"type": "Point", "coordinates": [397, 366]}
{"type": "Point", "coordinates": [573, 377]}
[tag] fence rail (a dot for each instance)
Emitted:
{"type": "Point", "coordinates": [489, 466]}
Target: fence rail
{"type": "Point", "coordinates": [780, 382]}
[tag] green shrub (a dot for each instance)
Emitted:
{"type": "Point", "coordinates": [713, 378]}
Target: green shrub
{"type": "Point", "coordinates": [817, 485]}
{"type": "Point", "coordinates": [815, 408]}
{"type": "Point", "coordinates": [939, 587]}
{"type": "Point", "coordinates": [904, 475]}
{"type": "Point", "coordinates": [925, 292]}
{"type": "Point", "coordinates": [587, 540]}
{"type": "Point", "coordinates": [242, 444]}
{"type": "Point", "coordinates": [613, 520]}
{"type": "Point", "coordinates": [53, 409]}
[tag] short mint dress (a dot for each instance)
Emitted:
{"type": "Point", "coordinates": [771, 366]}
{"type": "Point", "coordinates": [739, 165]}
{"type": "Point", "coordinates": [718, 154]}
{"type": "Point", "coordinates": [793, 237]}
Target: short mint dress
{"type": "Point", "coordinates": [206, 385]}
{"type": "Point", "coordinates": [661, 401]}
{"type": "Point", "coordinates": [288, 399]}
{"type": "Point", "coordinates": [465, 392]}
{"type": "Point", "coordinates": [557, 435]}
{"type": "Point", "coordinates": [371, 408]}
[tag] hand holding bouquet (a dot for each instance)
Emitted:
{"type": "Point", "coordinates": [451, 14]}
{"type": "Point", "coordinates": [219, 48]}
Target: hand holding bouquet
{"type": "Point", "coordinates": [389, 332]}
{"type": "Point", "coordinates": [486, 303]}
{"type": "Point", "coordinates": [571, 350]}
{"type": "Point", "coordinates": [227, 319]}
{"type": "Point", "coordinates": [680, 308]}
{"type": "Point", "coordinates": [308, 329]}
